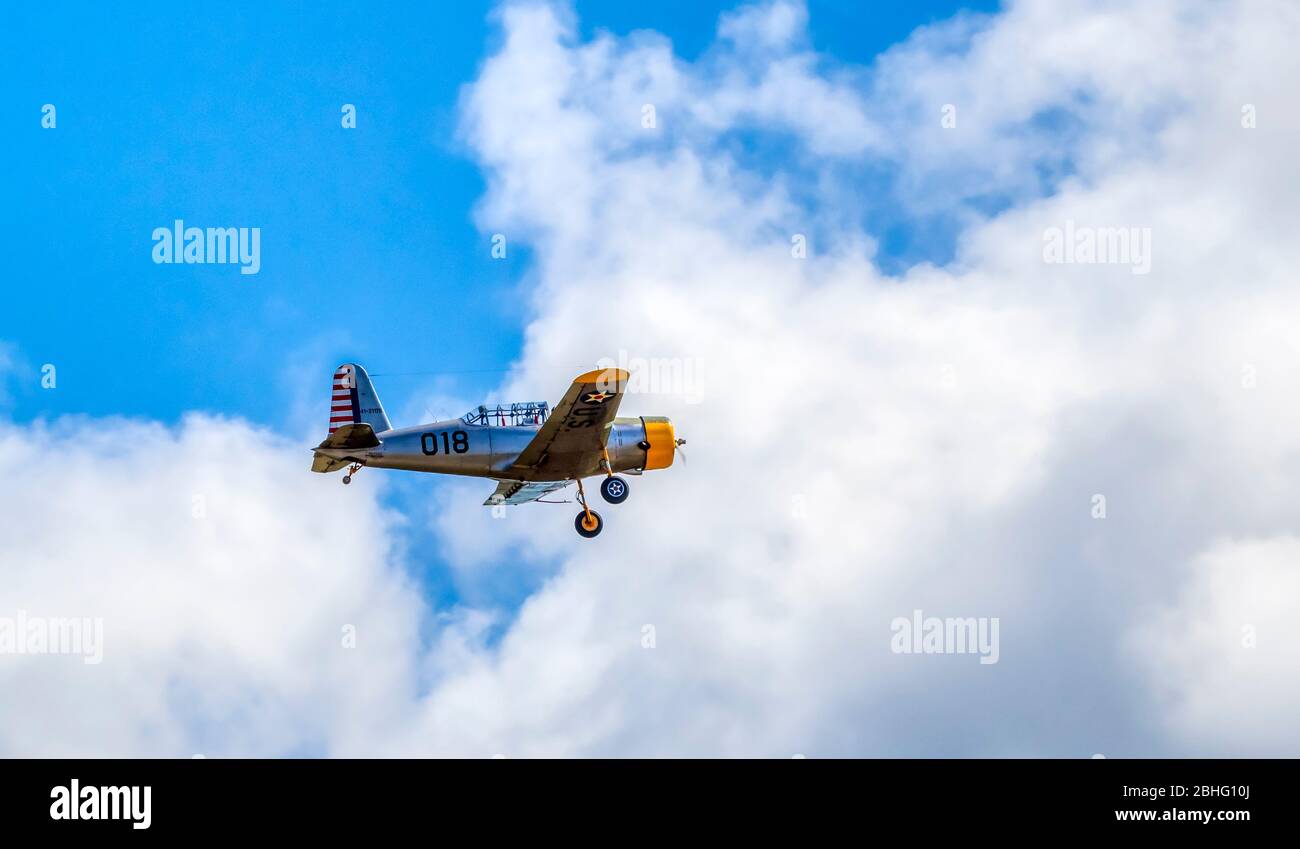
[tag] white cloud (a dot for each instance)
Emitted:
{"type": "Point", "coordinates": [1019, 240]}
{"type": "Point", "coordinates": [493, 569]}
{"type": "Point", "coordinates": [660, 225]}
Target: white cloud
{"type": "Point", "coordinates": [224, 574]}
{"type": "Point", "coordinates": [947, 434]}
{"type": "Point", "coordinates": [769, 26]}
{"type": "Point", "coordinates": [868, 446]}
{"type": "Point", "coordinates": [1217, 650]}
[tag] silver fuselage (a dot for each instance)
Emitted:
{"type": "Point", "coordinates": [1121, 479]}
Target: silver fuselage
{"type": "Point", "coordinates": [455, 447]}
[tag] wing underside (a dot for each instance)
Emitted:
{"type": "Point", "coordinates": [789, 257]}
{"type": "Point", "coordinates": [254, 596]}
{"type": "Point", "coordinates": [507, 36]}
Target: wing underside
{"type": "Point", "coordinates": [522, 492]}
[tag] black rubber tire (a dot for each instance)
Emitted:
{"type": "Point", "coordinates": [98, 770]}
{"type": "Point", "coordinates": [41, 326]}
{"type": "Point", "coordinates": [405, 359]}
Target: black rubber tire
{"type": "Point", "coordinates": [600, 524]}
{"type": "Point", "coordinates": [347, 479]}
{"type": "Point", "coordinates": [614, 490]}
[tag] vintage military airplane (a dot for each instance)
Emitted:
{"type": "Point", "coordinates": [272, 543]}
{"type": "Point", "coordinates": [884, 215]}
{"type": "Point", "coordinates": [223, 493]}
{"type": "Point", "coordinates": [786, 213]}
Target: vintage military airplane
{"type": "Point", "coordinates": [528, 448]}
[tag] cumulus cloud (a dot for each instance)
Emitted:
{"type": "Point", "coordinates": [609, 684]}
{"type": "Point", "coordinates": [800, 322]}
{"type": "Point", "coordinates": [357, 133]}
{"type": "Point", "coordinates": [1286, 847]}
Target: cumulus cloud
{"type": "Point", "coordinates": [870, 446]}
{"type": "Point", "coordinates": [227, 583]}
{"type": "Point", "coordinates": [1215, 651]}
{"type": "Point", "coordinates": [1103, 461]}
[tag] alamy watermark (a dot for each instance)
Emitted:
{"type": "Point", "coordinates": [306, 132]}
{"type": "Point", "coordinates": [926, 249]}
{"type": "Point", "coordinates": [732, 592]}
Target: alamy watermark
{"type": "Point", "coordinates": [75, 801]}
{"type": "Point", "coordinates": [932, 635]}
{"type": "Point", "coordinates": [1075, 245]}
{"type": "Point", "coordinates": [680, 376]}
{"type": "Point", "coordinates": [23, 634]}
{"type": "Point", "coordinates": [183, 245]}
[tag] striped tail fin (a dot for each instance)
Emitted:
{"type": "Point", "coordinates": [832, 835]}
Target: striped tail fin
{"type": "Point", "coordinates": [353, 400]}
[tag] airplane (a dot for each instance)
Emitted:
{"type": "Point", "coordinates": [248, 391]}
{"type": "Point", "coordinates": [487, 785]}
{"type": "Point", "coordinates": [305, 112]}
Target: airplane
{"type": "Point", "coordinates": [529, 449]}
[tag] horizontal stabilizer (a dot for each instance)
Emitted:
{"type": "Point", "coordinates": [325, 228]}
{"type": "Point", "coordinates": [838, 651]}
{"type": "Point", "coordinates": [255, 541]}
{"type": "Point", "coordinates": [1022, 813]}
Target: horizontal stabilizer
{"type": "Point", "coordinates": [334, 452]}
{"type": "Point", "coordinates": [351, 436]}
{"type": "Point", "coordinates": [321, 463]}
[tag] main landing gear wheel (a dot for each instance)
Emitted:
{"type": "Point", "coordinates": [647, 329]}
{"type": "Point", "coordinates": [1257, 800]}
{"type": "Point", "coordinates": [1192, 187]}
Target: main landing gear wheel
{"type": "Point", "coordinates": [588, 527]}
{"type": "Point", "coordinates": [347, 479]}
{"type": "Point", "coordinates": [614, 489]}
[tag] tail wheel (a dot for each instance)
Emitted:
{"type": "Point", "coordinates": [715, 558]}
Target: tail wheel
{"type": "Point", "coordinates": [588, 527]}
{"type": "Point", "coordinates": [614, 490]}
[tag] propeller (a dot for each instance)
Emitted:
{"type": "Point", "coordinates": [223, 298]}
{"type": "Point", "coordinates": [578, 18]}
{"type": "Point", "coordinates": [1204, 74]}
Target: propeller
{"type": "Point", "coordinates": [677, 448]}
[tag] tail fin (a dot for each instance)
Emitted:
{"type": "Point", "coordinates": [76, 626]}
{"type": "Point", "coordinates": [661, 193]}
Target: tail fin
{"type": "Point", "coordinates": [353, 400]}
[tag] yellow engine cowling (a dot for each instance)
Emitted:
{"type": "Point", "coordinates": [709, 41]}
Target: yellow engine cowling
{"type": "Point", "coordinates": [662, 440]}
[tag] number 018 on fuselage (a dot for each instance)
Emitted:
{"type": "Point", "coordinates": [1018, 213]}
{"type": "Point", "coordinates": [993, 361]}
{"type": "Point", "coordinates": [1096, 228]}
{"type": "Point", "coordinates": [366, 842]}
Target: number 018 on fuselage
{"type": "Point", "coordinates": [529, 448]}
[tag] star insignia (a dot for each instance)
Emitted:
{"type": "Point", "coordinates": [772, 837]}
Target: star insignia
{"type": "Point", "coordinates": [597, 397]}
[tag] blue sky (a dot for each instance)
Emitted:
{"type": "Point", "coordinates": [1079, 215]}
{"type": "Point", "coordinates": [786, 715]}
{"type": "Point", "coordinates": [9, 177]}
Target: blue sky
{"type": "Point", "coordinates": [369, 248]}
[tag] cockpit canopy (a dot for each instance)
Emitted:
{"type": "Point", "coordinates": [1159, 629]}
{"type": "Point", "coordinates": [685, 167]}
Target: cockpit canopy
{"type": "Point", "coordinates": [520, 414]}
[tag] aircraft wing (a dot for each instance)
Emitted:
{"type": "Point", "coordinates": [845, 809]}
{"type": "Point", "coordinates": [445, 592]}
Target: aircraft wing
{"type": "Point", "coordinates": [521, 492]}
{"type": "Point", "coordinates": [570, 442]}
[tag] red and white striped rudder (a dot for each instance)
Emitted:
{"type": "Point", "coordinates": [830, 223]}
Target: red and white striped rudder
{"type": "Point", "coordinates": [344, 403]}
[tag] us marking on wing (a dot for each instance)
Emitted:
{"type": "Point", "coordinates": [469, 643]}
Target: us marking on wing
{"type": "Point", "coordinates": [573, 438]}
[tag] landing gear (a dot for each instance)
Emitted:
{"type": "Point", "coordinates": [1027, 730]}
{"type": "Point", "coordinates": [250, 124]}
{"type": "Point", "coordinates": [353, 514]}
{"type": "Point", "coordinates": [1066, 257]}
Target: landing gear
{"type": "Point", "coordinates": [614, 489]}
{"type": "Point", "coordinates": [347, 479]}
{"type": "Point", "coordinates": [588, 522]}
